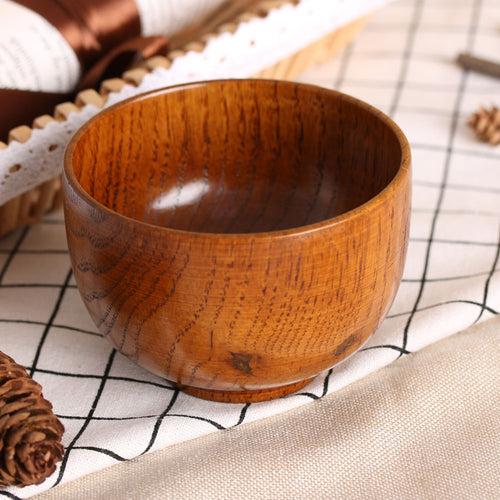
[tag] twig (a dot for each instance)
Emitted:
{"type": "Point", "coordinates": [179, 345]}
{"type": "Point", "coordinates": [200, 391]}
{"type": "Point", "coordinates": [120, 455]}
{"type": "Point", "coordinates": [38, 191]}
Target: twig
{"type": "Point", "coordinates": [479, 65]}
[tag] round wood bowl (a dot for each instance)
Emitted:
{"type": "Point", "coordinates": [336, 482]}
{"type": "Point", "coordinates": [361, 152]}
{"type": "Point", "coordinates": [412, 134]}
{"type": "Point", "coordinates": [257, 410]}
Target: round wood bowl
{"type": "Point", "coordinates": [238, 237]}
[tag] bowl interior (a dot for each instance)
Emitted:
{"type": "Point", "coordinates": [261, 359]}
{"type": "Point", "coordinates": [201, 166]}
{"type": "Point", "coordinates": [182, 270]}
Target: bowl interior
{"type": "Point", "coordinates": [236, 156]}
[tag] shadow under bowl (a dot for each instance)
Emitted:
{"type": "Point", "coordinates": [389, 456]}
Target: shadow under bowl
{"type": "Point", "coordinates": [238, 237]}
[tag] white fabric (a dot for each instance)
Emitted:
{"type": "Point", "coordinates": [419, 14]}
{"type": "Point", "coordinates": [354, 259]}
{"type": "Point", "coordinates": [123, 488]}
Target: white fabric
{"type": "Point", "coordinates": [33, 54]}
{"type": "Point", "coordinates": [170, 16]}
{"type": "Point", "coordinates": [425, 426]}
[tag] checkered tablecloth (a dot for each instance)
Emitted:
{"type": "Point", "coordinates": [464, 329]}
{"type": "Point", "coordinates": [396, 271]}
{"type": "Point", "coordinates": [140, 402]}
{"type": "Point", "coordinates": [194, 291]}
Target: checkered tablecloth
{"type": "Point", "coordinates": [404, 64]}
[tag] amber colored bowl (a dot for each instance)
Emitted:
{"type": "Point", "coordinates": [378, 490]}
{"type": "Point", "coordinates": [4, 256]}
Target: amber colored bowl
{"type": "Point", "coordinates": [238, 237]}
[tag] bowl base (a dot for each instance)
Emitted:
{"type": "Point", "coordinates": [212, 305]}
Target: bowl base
{"type": "Point", "coordinates": [252, 396]}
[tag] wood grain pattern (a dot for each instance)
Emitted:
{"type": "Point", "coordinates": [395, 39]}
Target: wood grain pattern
{"type": "Point", "coordinates": [238, 237]}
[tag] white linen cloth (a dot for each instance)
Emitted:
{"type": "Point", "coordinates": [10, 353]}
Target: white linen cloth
{"type": "Point", "coordinates": [425, 426]}
{"type": "Point", "coordinates": [402, 63]}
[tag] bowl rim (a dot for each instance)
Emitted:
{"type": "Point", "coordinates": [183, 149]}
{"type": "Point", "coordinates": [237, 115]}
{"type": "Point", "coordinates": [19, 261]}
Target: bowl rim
{"type": "Point", "coordinates": [402, 173]}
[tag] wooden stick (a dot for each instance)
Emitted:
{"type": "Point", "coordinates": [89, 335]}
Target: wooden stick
{"type": "Point", "coordinates": [479, 65]}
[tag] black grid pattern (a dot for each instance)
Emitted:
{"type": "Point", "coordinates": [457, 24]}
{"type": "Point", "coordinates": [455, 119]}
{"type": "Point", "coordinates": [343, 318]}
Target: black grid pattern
{"type": "Point", "coordinates": [403, 63]}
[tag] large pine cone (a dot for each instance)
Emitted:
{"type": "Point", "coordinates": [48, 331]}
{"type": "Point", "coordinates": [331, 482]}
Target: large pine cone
{"type": "Point", "coordinates": [30, 433]}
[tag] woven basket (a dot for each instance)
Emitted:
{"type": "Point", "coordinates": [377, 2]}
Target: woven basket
{"type": "Point", "coordinates": [28, 208]}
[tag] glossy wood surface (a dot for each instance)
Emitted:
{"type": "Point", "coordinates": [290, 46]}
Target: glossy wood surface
{"type": "Point", "coordinates": [238, 237]}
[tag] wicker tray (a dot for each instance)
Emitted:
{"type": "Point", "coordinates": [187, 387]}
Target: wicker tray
{"type": "Point", "coordinates": [29, 207]}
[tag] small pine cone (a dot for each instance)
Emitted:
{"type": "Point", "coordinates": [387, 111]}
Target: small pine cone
{"type": "Point", "coordinates": [30, 433]}
{"type": "Point", "coordinates": [486, 125]}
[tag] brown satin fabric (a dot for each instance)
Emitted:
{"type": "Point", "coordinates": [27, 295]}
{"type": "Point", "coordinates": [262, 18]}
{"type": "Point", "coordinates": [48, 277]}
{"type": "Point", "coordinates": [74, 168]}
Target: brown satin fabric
{"type": "Point", "coordinates": [91, 27]}
{"type": "Point", "coordinates": [112, 62]}
{"type": "Point", "coordinates": [101, 33]}
{"type": "Point", "coordinates": [20, 107]}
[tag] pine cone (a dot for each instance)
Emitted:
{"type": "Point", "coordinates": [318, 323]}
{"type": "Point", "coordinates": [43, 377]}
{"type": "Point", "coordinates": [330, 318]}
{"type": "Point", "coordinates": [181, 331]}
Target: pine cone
{"type": "Point", "coordinates": [30, 433]}
{"type": "Point", "coordinates": [486, 124]}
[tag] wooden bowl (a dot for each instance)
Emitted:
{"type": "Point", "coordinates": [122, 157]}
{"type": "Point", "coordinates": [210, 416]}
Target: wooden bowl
{"type": "Point", "coordinates": [238, 237]}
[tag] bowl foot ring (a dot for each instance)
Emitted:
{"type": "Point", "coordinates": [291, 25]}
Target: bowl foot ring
{"type": "Point", "coordinates": [251, 396]}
